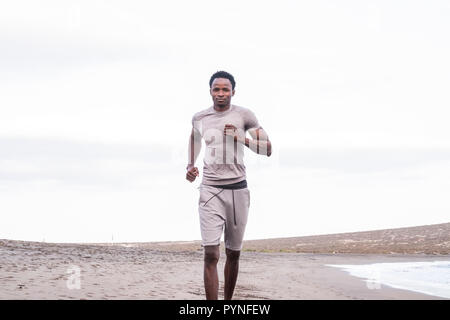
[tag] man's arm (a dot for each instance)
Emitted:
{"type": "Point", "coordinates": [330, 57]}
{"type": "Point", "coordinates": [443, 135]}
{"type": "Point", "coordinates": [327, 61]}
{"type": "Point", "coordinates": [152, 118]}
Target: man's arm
{"type": "Point", "coordinates": [195, 145]}
{"type": "Point", "coordinates": [260, 143]}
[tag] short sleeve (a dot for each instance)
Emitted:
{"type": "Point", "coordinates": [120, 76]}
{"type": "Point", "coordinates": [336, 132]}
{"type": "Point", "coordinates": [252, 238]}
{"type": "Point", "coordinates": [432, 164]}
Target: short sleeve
{"type": "Point", "coordinates": [250, 120]}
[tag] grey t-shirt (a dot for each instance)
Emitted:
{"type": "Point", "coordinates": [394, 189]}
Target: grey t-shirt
{"type": "Point", "coordinates": [224, 159]}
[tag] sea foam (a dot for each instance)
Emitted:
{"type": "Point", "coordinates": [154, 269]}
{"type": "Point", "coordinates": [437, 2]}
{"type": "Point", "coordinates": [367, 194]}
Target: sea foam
{"type": "Point", "coordinates": [431, 278]}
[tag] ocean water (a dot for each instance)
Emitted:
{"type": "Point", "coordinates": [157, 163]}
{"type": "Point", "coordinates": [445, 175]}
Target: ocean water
{"type": "Point", "coordinates": [431, 278]}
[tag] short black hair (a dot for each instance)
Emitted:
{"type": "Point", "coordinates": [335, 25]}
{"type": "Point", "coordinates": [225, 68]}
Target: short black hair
{"type": "Point", "coordinates": [225, 75]}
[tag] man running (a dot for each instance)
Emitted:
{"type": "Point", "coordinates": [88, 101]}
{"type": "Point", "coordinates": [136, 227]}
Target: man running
{"type": "Point", "coordinates": [224, 197]}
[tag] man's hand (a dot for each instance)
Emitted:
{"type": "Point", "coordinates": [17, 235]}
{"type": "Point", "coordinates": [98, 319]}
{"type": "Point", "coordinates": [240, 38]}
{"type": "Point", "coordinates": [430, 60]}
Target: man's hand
{"type": "Point", "coordinates": [192, 173]}
{"type": "Point", "coordinates": [230, 130]}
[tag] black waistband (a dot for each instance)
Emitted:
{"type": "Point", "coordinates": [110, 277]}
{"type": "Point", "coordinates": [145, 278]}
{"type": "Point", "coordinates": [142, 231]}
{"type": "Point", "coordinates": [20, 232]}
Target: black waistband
{"type": "Point", "coordinates": [238, 185]}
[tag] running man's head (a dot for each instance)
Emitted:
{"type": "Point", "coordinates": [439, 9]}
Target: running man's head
{"type": "Point", "coordinates": [221, 87]}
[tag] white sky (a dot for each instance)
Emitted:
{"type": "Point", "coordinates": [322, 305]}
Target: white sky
{"type": "Point", "coordinates": [96, 99]}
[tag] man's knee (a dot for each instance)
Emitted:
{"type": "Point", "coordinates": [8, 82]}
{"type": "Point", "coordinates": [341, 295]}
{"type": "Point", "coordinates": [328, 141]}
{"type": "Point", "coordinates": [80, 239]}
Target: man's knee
{"type": "Point", "coordinates": [232, 255]}
{"type": "Point", "coordinates": [212, 254]}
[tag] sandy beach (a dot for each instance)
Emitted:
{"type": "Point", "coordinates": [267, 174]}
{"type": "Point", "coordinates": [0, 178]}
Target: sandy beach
{"type": "Point", "coordinates": [290, 268]}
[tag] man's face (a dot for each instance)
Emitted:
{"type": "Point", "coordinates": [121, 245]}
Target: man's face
{"type": "Point", "coordinates": [221, 92]}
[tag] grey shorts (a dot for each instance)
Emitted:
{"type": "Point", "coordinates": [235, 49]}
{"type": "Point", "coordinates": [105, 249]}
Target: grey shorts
{"type": "Point", "coordinates": [223, 208]}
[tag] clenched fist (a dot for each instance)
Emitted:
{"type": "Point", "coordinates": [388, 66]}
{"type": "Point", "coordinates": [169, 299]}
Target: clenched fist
{"type": "Point", "coordinates": [192, 173]}
{"type": "Point", "coordinates": [232, 131]}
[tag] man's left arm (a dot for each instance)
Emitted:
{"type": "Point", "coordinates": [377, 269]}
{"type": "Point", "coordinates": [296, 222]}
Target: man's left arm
{"type": "Point", "coordinates": [259, 143]}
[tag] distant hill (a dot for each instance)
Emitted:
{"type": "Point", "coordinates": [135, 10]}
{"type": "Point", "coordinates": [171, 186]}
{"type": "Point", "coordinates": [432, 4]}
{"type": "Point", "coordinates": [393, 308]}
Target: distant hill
{"type": "Point", "coordinates": [429, 239]}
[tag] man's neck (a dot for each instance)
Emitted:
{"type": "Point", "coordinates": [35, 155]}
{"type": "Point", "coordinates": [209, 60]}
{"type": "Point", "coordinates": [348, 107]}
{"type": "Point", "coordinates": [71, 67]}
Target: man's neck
{"type": "Point", "coordinates": [221, 109]}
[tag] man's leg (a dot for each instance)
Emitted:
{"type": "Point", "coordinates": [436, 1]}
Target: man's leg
{"type": "Point", "coordinates": [210, 275]}
{"type": "Point", "coordinates": [231, 272]}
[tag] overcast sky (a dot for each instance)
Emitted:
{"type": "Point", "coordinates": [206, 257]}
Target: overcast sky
{"type": "Point", "coordinates": [96, 101]}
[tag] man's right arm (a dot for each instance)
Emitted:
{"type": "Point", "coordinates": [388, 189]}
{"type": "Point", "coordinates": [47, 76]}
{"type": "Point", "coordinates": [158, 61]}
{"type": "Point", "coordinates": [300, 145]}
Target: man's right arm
{"type": "Point", "coordinates": [195, 145]}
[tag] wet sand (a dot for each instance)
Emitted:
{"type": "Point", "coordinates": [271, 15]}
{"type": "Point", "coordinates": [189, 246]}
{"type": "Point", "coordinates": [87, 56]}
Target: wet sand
{"type": "Point", "coordinates": [269, 269]}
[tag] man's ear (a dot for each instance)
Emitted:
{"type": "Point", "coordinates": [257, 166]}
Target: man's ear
{"type": "Point", "coordinates": [232, 93]}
